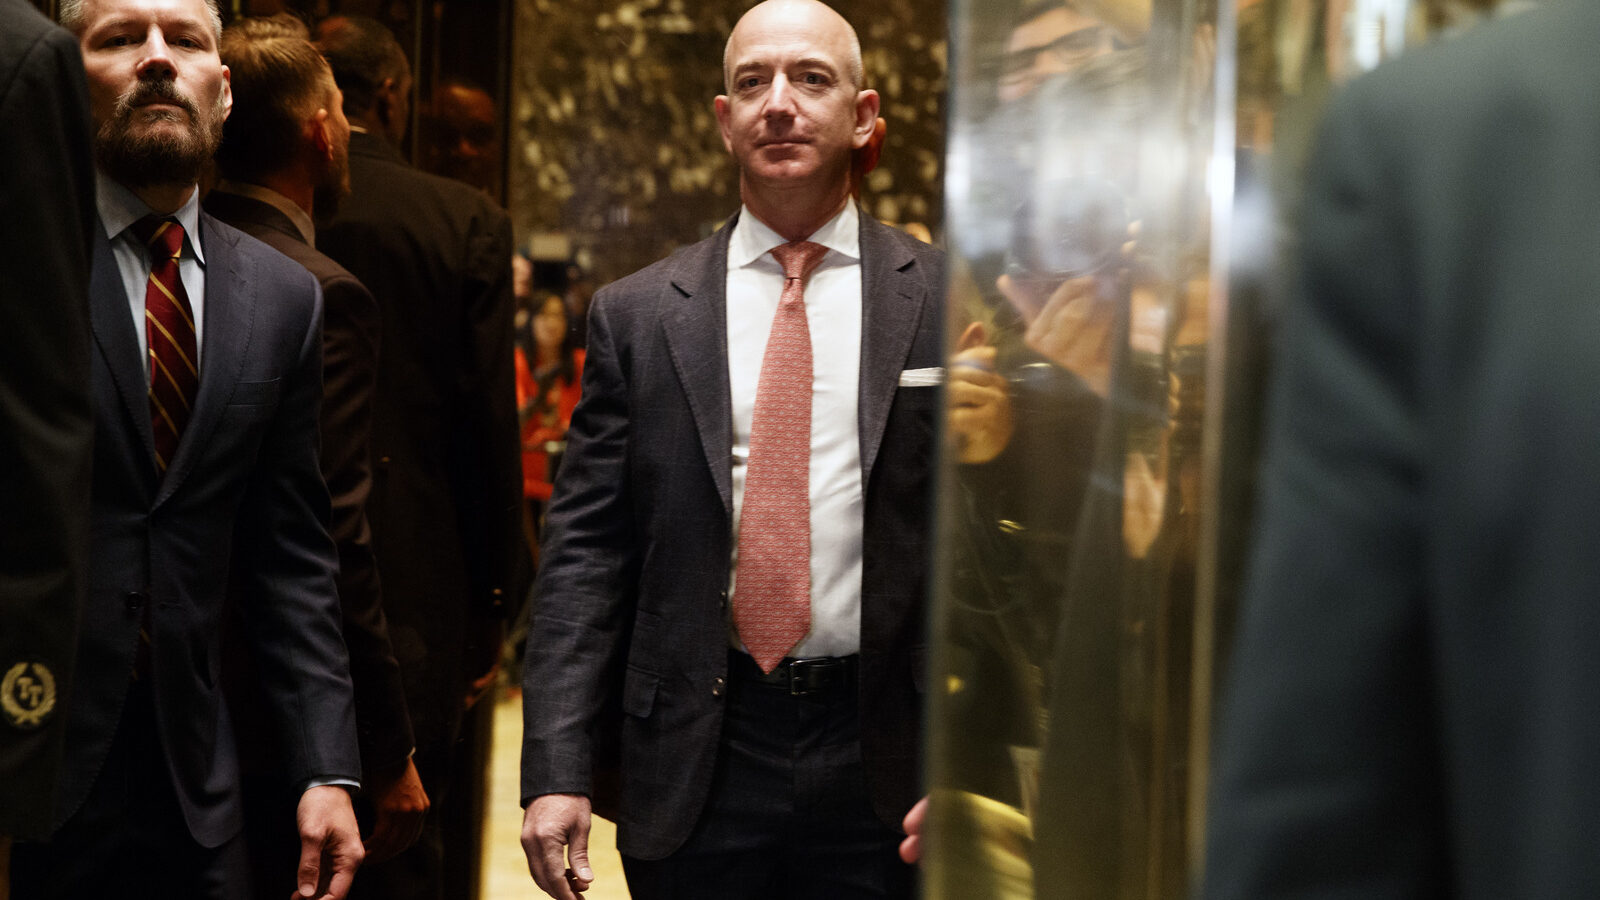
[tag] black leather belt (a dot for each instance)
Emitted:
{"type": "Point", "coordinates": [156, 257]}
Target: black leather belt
{"type": "Point", "coordinates": [800, 677]}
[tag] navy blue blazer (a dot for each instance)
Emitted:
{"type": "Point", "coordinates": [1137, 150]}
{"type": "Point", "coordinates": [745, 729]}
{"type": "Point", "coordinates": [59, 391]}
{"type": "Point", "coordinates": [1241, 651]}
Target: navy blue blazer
{"type": "Point", "coordinates": [632, 589]}
{"type": "Point", "coordinates": [243, 500]}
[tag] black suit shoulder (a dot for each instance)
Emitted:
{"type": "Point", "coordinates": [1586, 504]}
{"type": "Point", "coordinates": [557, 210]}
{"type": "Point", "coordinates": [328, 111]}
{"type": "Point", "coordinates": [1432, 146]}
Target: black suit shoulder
{"type": "Point", "coordinates": [45, 407]}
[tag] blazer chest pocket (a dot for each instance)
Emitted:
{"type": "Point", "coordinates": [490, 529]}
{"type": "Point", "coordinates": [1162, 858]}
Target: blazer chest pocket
{"type": "Point", "coordinates": [639, 692]}
{"type": "Point", "coordinates": [255, 393]}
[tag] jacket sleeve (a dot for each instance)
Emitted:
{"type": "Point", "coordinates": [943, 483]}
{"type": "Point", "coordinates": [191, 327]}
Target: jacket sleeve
{"type": "Point", "coordinates": [285, 567]}
{"type": "Point", "coordinates": [584, 593]}
{"type": "Point", "coordinates": [350, 347]}
{"type": "Point", "coordinates": [492, 466]}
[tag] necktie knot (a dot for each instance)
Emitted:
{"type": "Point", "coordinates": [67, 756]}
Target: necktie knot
{"type": "Point", "coordinates": [162, 235]}
{"type": "Point", "coordinates": [799, 258]}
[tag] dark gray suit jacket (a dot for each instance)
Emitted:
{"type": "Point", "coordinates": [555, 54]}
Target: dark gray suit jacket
{"type": "Point", "coordinates": [634, 569]}
{"type": "Point", "coordinates": [1414, 704]}
{"type": "Point", "coordinates": [242, 500]}
{"type": "Point", "coordinates": [47, 184]}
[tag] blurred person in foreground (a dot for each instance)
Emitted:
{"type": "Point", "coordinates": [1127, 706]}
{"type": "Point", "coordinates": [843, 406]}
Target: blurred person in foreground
{"type": "Point", "coordinates": [206, 381]}
{"type": "Point", "coordinates": [1411, 703]}
{"type": "Point", "coordinates": [761, 407]}
{"type": "Point", "coordinates": [45, 411]}
{"type": "Point", "coordinates": [283, 156]}
{"type": "Point", "coordinates": [446, 491]}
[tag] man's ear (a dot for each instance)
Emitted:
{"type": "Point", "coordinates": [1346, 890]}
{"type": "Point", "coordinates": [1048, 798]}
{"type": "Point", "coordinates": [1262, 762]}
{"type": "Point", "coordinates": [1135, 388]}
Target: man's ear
{"type": "Point", "coordinates": [867, 104]}
{"type": "Point", "coordinates": [384, 100]}
{"type": "Point", "coordinates": [227, 92]}
{"type": "Point", "coordinates": [724, 121]}
{"type": "Point", "coordinates": [321, 131]}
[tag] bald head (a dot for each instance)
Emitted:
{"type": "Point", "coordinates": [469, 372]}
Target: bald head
{"type": "Point", "coordinates": [776, 16]}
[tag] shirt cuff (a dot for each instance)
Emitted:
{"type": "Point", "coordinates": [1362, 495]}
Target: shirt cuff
{"type": "Point", "coordinates": [347, 783]}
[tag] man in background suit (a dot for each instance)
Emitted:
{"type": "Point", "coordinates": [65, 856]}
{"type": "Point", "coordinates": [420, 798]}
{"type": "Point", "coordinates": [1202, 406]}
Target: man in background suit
{"type": "Point", "coordinates": [206, 379]}
{"type": "Point", "coordinates": [447, 485]}
{"type": "Point", "coordinates": [284, 154]}
{"type": "Point", "coordinates": [1411, 704]}
{"type": "Point", "coordinates": [771, 727]}
{"type": "Point", "coordinates": [45, 414]}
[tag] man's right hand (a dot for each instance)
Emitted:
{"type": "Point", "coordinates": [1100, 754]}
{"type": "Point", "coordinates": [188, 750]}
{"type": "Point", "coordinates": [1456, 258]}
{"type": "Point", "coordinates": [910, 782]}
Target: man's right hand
{"type": "Point", "coordinates": [555, 829]}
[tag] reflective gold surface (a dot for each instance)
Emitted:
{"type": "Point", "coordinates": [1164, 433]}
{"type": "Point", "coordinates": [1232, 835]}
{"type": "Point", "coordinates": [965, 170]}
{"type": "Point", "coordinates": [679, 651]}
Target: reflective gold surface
{"type": "Point", "coordinates": [1121, 179]}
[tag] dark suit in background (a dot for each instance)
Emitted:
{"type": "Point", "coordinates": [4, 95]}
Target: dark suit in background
{"type": "Point", "coordinates": [447, 479]}
{"type": "Point", "coordinates": [1412, 702]}
{"type": "Point", "coordinates": [47, 184]}
{"type": "Point", "coordinates": [350, 352]}
{"type": "Point", "coordinates": [635, 567]}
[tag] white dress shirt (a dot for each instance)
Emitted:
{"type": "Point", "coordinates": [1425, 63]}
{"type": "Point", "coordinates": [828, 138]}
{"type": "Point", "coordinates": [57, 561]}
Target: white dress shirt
{"type": "Point", "coordinates": [119, 209]}
{"type": "Point", "coordinates": [833, 311]}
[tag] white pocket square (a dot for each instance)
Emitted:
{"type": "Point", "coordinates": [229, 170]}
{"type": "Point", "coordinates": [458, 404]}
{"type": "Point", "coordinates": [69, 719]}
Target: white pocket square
{"type": "Point", "coordinates": [929, 377]}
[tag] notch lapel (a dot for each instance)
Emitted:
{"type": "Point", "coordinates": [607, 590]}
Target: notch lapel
{"type": "Point", "coordinates": [112, 323]}
{"type": "Point", "coordinates": [893, 298]}
{"type": "Point", "coordinates": [229, 313]}
{"type": "Point", "coordinates": [696, 325]}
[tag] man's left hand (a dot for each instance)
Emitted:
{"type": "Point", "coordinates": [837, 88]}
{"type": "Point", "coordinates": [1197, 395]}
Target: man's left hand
{"type": "Point", "coordinates": [330, 843]}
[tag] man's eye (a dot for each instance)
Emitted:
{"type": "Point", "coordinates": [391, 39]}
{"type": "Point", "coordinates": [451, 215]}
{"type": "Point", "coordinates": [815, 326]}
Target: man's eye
{"type": "Point", "coordinates": [749, 82]}
{"type": "Point", "coordinates": [814, 78]}
{"type": "Point", "coordinates": [187, 43]}
{"type": "Point", "coordinates": [120, 40]}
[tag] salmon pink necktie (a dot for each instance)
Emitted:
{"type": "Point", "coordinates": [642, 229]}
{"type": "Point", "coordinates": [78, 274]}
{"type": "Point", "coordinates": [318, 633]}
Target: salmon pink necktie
{"type": "Point", "coordinates": [772, 606]}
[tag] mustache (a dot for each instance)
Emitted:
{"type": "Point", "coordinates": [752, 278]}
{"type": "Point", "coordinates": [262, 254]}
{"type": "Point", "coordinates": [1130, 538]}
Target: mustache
{"type": "Point", "coordinates": [162, 90]}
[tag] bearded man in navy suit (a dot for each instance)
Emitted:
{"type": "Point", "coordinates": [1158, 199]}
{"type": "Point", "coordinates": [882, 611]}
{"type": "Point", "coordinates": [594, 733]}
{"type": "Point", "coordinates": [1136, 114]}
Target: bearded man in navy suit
{"type": "Point", "coordinates": [206, 376]}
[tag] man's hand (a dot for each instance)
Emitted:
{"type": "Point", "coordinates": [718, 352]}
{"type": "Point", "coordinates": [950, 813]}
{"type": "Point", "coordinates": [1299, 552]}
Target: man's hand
{"type": "Point", "coordinates": [330, 843]}
{"type": "Point", "coordinates": [553, 823]}
{"type": "Point", "coordinates": [911, 847]}
{"type": "Point", "coordinates": [981, 419]}
{"type": "Point", "coordinates": [483, 658]}
{"type": "Point", "coordinates": [401, 805]}
{"type": "Point", "coordinates": [1069, 327]}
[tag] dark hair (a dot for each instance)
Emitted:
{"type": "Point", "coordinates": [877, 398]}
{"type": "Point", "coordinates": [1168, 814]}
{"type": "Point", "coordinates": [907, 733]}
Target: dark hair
{"type": "Point", "coordinates": [566, 367]}
{"type": "Point", "coordinates": [364, 54]}
{"type": "Point", "coordinates": [278, 81]}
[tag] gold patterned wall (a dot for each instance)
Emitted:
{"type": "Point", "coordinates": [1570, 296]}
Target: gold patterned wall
{"type": "Point", "coordinates": [614, 143]}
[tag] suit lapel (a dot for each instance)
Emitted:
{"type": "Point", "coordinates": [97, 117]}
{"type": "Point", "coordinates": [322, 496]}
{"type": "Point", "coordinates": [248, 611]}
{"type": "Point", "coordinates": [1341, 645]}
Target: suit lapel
{"type": "Point", "coordinates": [230, 307]}
{"type": "Point", "coordinates": [119, 343]}
{"type": "Point", "coordinates": [892, 301]}
{"type": "Point", "coordinates": [696, 324]}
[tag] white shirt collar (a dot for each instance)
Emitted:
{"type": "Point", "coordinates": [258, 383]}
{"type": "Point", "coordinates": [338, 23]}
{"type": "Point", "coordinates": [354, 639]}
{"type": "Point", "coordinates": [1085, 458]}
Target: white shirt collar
{"type": "Point", "coordinates": [120, 208]}
{"type": "Point", "coordinates": [752, 239]}
{"type": "Point", "coordinates": [302, 221]}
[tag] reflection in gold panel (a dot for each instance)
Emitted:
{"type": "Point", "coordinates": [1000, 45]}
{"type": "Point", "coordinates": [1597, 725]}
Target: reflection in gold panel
{"type": "Point", "coordinates": [1121, 177]}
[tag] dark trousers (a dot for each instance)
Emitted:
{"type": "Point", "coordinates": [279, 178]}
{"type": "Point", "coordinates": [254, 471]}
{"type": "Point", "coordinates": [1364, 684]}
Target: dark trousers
{"type": "Point", "coordinates": [129, 839]}
{"type": "Point", "coordinates": [788, 816]}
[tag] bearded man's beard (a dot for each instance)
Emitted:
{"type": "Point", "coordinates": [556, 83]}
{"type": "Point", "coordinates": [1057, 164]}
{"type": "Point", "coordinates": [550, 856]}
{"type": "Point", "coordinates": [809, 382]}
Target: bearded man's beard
{"type": "Point", "coordinates": [139, 154]}
{"type": "Point", "coordinates": [334, 185]}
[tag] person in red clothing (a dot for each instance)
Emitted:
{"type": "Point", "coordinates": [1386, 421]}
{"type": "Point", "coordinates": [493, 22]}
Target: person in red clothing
{"type": "Point", "coordinates": [549, 370]}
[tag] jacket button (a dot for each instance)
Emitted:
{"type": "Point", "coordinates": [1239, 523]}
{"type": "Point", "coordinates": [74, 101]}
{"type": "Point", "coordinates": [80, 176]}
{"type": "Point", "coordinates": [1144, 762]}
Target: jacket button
{"type": "Point", "coordinates": [135, 600]}
{"type": "Point", "coordinates": [719, 687]}
{"type": "Point", "coordinates": [723, 599]}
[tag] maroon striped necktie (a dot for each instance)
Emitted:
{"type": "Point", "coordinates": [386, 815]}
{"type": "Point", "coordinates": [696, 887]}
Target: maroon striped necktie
{"type": "Point", "coordinates": [772, 603]}
{"type": "Point", "coordinates": [169, 330]}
